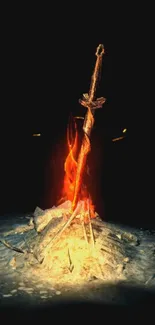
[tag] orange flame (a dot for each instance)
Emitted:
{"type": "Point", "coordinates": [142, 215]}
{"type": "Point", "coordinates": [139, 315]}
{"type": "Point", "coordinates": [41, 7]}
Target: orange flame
{"type": "Point", "coordinates": [70, 168]}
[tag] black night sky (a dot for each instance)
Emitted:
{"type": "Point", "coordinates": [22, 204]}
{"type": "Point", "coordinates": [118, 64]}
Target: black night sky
{"type": "Point", "coordinates": [47, 67]}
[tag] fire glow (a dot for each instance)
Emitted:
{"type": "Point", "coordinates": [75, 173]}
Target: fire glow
{"type": "Point", "coordinates": [70, 178]}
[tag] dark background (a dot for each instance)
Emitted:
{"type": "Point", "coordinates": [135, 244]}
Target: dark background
{"type": "Point", "coordinates": [47, 67]}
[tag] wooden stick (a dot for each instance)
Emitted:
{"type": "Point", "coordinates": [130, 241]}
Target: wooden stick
{"type": "Point", "coordinates": [71, 266]}
{"type": "Point", "coordinates": [16, 249]}
{"type": "Point", "coordinates": [84, 231]}
{"type": "Point", "coordinates": [19, 229]}
{"type": "Point", "coordinates": [150, 279]}
{"type": "Point", "coordinates": [60, 232]}
{"type": "Point", "coordinates": [90, 225]}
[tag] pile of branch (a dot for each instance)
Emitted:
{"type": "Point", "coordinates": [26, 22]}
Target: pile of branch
{"type": "Point", "coordinates": [61, 244]}
{"type": "Point", "coordinates": [51, 224]}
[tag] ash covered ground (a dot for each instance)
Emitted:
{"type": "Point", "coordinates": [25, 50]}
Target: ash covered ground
{"type": "Point", "coordinates": [120, 272]}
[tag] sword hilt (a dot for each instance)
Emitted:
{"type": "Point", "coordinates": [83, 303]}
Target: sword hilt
{"type": "Point", "coordinates": [100, 50]}
{"type": "Point", "coordinates": [88, 100]}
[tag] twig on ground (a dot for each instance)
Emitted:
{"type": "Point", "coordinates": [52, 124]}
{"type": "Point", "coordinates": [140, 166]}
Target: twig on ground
{"type": "Point", "coordinates": [84, 231]}
{"type": "Point", "coordinates": [16, 249]}
{"type": "Point", "coordinates": [71, 266]}
{"type": "Point", "coordinates": [90, 225]}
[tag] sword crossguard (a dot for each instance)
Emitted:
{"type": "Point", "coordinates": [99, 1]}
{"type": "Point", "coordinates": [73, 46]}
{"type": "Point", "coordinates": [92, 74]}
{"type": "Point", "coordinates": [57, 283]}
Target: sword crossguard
{"type": "Point", "coordinates": [92, 105]}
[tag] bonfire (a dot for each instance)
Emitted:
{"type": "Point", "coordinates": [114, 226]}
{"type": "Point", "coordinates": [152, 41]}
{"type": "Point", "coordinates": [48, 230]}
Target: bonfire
{"type": "Point", "coordinates": [67, 228]}
{"type": "Point", "coordinates": [69, 243]}
{"type": "Point", "coordinates": [77, 207]}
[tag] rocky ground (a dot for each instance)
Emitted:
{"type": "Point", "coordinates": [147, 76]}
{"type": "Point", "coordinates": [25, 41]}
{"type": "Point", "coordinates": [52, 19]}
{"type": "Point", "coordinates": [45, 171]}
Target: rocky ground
{"type": "Point", "coordinates": [127, 269]}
